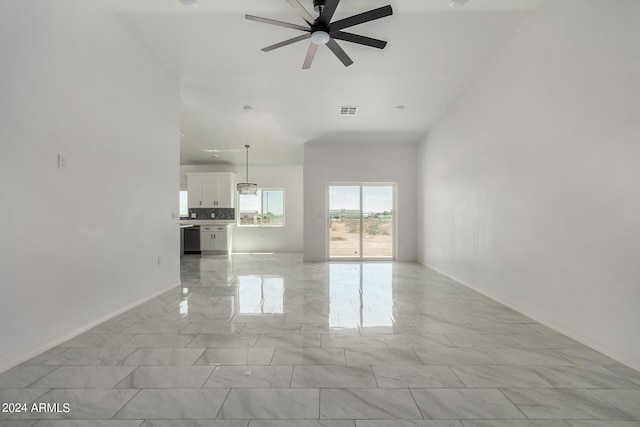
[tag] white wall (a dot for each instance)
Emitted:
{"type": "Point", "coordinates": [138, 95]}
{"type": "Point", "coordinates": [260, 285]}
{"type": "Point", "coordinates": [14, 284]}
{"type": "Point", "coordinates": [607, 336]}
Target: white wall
{"type": "Point", "coordinates": [82, 243]}
{"type": "Point", "coordinates": [265, 239]}
{"type": "Point", "coordinates": [336, 163]}
{"type": "Point", "coordinates": [529, 185]}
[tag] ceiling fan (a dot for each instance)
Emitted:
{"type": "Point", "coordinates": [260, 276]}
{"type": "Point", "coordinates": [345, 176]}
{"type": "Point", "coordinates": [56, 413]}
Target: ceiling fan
{"type": "Point", "coordinates": [322, 31]}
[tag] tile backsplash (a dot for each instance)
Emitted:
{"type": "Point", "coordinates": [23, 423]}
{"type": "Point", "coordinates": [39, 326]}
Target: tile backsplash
{"type": "Point", "coordinates": [205, 213]}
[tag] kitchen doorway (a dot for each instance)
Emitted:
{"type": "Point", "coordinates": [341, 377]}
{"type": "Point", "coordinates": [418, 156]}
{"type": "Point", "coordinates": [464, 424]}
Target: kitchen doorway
{"type": "Point", "coordinates": [361, 221]}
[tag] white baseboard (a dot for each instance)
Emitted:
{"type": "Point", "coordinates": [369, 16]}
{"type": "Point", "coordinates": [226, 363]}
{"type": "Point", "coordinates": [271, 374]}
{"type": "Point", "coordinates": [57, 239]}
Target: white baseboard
{"type": "Point", "coordinates": [603, 348]}
{"type": "Point", "coordinates": [41, 347]}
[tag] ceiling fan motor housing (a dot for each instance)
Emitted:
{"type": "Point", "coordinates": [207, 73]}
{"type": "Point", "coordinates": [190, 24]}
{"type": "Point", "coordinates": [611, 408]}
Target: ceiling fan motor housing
{"type": "Point", "coordinates": [318, 5]}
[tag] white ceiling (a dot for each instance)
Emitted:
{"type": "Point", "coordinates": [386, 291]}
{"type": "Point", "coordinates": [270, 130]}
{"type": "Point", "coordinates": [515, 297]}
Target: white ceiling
{"type": "Point", "coordinates": [433, 52]}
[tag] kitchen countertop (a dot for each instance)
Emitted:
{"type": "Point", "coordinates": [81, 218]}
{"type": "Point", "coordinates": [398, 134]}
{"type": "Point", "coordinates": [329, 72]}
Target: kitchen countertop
{"type": "Point", "coordinates": [207, 222]}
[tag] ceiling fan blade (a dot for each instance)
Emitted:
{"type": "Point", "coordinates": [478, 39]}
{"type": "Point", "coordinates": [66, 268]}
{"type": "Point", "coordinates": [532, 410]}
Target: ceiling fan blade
{"type": "Point", "coordinates": [278, 23]}
{"type": "Point", "coordinates": [311, 53]}
{"type": "Point", "coordinates": [337, 51]}
{"type": "Point", "coordinates": [356, 38]}
{"type": "Point", "coordinates": [328, 11]}
{"type": "Point", "coordinates": [286, 42]}
{"type": "Point", "coordinates": [361, 18]}
{"type": "Point", "coordinates": [302, 11]}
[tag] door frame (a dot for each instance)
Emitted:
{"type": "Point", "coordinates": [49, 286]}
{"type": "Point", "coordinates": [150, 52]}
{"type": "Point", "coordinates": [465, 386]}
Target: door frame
{"type": "Point", "coordinates": [394, 224]}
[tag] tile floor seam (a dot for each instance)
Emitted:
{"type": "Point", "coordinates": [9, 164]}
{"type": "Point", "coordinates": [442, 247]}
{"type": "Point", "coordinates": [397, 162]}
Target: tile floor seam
{"type": "Point", "coordinates": [456, 375]}
{"type": "Point", "coordinates": [125, 378]}
{"type": "Point", "coordinates": [375, 378]}
{"type": "Point", "coordinates": [125, 405]}
{"type": "Point", "coordinates": [121, 345]}
{"type": "Point", "coordinates": [181, 330]}
{"type": "Point", "coordinates": [29, 386]}
{"type": "Point", "coordinates": [293, 368]}
{"type": "Point", "coordinates": [415, 402]}
{"type": "Point", "coordinates": [217, 417]}
{"type": "Point", "coordinates": [415, 353]}
{"type": "Point", "coordinates": [215, 368]}
{"type": "Point", "coordinates": [501, 390]}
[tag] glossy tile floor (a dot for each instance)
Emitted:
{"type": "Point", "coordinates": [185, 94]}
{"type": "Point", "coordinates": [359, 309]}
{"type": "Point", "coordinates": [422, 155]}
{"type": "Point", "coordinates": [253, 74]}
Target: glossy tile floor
{"type": "Point", "coordinates": [266, 340]}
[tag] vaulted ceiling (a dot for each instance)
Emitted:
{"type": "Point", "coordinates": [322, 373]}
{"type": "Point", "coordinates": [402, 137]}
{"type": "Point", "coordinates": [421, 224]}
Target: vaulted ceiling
{"type": "Point", "coordinates": [433, 52]}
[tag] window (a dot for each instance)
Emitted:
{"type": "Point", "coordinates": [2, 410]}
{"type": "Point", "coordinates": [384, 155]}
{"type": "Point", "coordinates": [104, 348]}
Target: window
{"type": "Point", "coordinates": [265, 208]}
{"type": "Point", "coordinates": [184, 209]}
{"type": "Point", "coordinates": [361, 220]}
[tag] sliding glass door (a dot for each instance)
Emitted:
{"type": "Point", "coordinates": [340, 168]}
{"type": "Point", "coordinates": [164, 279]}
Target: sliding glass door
{"type": "Point", "coordinates": [345, 218]}
{"type": "Point", "coordinates": [361, 221]}
{"type": "Point", "coordinates": [377, 223]}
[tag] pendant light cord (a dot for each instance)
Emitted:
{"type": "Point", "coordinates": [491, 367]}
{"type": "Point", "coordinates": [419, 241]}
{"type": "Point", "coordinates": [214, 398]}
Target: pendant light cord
{"type": "Point", "coordinates": [247, 147]}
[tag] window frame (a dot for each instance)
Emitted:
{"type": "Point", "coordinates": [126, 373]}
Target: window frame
{"type": "Point", "coordinates": [261, 212]}
{"type": "Point", "coordinates": [182, 214]}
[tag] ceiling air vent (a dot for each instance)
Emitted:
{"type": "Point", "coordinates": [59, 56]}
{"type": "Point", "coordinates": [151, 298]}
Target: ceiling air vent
{"type": "Point", "coordinates": [348, 111]}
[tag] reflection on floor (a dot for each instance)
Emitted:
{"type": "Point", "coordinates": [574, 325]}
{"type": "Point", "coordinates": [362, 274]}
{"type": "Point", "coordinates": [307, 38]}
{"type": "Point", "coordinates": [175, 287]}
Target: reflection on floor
{"type": "Point", "coordinates": [265, 340]}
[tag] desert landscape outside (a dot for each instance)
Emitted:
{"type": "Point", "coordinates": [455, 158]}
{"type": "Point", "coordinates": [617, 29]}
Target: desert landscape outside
{"type": "Point", "coordinates": [361, 221]}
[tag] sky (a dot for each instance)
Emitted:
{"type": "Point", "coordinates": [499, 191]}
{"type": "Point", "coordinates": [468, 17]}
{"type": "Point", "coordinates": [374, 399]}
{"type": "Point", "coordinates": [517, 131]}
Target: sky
{"type": "Point", "coordinates": [374, 199]}
{"type": "Point", "coordinates": [273, 202]}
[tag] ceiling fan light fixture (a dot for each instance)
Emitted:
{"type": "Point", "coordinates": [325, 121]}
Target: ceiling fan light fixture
{"type": "Point", "coordinates": [320, 37]}
{"type": "Point", "coordinates": [247, 187]}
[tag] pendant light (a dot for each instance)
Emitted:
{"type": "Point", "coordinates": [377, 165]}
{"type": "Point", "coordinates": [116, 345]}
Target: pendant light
{"type": "Point", "coordinates": [247, 187]}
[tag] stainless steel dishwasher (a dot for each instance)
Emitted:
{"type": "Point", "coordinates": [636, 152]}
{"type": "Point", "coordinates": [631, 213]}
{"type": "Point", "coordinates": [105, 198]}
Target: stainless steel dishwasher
{"type": "Point", "coordinates": [192, 240]}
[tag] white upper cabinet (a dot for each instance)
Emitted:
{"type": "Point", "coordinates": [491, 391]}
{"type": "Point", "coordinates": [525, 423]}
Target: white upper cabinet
{"type": "Point", "coordinates": [210, 190]}
{"type": "Point", "coordinates": [194, 191]}
{"type": "Point", "coordinates": [224, 191]}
